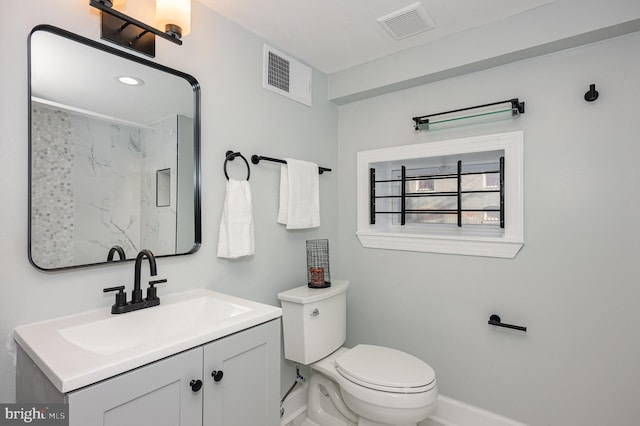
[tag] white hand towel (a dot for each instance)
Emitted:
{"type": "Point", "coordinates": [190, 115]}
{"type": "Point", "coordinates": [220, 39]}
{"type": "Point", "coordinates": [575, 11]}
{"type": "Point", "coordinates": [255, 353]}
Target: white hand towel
{"type": "Point", "coordinates": [283, 210]}
{"type": "Point", "coordinates": [236, 225]}
{"type": "Point", "coordinates": [299, 195]}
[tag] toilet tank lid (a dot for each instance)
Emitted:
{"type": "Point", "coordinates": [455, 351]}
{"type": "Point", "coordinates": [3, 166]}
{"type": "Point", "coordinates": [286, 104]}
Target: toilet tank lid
{"type": "Point", "coordinates": [305, 294]}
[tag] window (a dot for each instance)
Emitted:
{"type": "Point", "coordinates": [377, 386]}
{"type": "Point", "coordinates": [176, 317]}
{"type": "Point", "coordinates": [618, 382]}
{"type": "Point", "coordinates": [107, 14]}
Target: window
{"type": "Point", "coordinates": [452, 191]}
{"type": "Point", "coordinates": [425, 185]}
{"type": "Point", "coordinates": [462, 196]}
{"type": "Point", "coordinates": [491, 180]}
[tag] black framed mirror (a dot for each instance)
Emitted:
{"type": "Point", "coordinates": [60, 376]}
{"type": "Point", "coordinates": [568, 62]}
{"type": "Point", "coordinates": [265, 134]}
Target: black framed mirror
{"type": "Point", "coordinates": [102, 123]}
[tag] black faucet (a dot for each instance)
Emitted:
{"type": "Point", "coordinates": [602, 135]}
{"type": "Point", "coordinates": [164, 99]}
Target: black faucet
{"type": "Point", "coordinates": [137, 302]}
{"type": "Point", "coordinates": [116, 249]}
{"type": "Point", "coordinates": [136, 295]}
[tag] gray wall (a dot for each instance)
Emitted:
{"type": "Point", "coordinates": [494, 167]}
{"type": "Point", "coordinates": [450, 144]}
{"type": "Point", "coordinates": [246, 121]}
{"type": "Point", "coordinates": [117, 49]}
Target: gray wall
{"type": "Point", "coordinates": [237, 113]}
{"type": "Point", "coordinates": [573, 284]}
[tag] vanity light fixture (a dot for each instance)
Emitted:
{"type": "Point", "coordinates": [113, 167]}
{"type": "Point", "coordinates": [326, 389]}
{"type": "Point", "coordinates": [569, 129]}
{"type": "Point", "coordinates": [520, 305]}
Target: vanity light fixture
{"type": "Point", "coordinates": [510, 108]}
{"type": "Point", "coordinates": [128, 32]}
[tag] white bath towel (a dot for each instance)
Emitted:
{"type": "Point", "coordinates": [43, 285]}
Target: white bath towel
{"type": "Point", "coordinates": [236, 225]}
{"type": "Point", "coordinates": [299, 195]}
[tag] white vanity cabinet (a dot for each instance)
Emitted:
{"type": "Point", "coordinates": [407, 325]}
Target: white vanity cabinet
{"type": "Point", "coordinates": [157, 394]}
{"type": "Point", "coordinates": [247, 392]}
{"type": "Point", "coordinates": [166, 392]}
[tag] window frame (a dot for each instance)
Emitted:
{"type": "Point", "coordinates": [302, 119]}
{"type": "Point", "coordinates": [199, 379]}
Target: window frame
{"type": "Point", "coordinates": [443, 240]}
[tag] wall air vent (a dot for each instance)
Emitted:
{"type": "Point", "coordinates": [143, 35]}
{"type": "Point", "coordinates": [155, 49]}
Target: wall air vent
{"type": "Point", "coordinates": [408, 21]}
{"type": "Point", "coordinates": [286, 76]}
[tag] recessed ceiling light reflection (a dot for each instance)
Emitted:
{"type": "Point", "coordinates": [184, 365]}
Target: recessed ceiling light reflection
{"type": "Point", "coordinates": [129, 80]}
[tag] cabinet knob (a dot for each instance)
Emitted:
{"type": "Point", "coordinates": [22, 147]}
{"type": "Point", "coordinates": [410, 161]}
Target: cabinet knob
{"type": "Point", "coordinates": [217, 375]}
{"type": "Point", "coordinates": [196, 385]}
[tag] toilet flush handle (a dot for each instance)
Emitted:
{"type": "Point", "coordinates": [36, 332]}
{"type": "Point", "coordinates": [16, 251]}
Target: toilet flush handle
{"type": "Point", "coordinates": [315, 312]}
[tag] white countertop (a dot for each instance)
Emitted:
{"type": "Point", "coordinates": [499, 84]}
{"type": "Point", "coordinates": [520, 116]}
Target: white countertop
{"type": "Point", "coordinates": [78, 350]}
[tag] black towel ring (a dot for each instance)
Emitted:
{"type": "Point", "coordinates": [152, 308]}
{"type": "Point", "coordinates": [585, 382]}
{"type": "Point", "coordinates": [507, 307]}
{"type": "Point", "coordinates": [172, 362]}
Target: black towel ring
{"type": "Point", "coordinates": [230, 156]}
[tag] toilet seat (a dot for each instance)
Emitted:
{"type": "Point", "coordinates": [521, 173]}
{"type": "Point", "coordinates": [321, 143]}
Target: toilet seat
{"type": "Point", "coordinates": [385, 369]}
{"type": "Point", "coordinates": [385, 405]}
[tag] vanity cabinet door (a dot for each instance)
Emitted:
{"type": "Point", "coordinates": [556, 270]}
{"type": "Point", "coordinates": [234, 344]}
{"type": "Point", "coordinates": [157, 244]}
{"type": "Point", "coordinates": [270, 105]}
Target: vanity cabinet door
{"type": "Point", "coordinates": [158, 394]}
{"type": "Point", "coordinates": [247, 392]}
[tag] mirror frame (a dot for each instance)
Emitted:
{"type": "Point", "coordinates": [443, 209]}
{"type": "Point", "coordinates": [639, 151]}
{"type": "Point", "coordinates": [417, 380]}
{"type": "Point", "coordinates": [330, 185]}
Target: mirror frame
{"type": "Point", "coordinates": [197, 178]}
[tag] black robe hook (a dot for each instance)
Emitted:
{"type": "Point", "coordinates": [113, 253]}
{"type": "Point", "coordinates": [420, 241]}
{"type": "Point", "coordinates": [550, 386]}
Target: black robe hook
{"type": "Point", "coordinates": [592, 94]}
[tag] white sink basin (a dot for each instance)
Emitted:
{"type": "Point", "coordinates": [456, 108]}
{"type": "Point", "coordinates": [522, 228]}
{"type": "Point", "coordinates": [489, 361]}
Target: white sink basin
{"type": "Point", "coordinates": [82, 349]}
{"type": "Point", "coordinates": [121, 332]}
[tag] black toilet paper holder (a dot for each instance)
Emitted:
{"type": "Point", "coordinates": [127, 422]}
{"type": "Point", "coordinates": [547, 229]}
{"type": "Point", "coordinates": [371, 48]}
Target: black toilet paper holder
{"type": "Point", "coordinates": [495, 320]}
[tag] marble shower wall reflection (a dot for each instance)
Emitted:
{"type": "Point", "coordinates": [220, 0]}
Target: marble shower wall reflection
{"type": "Point", "coordinates": [158, 225]}
{"type": "Point", "coordinates": [52, 196]}
{"type": "Point", "coordinates": [93, 186]}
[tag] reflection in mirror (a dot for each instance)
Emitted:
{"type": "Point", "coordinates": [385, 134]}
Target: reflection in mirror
{"type": "Point", "coordinates": [163, 188]}
{"type": "Point", "coordinates": [112, 163]}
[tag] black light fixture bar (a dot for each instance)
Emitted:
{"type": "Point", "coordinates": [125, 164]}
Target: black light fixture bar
{"type": "Point", "coordinates": [128, 32]}
{"type": "Point", "coordinates": [424, 121]}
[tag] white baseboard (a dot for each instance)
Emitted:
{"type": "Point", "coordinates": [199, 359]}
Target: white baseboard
{"type": "Point", "coordinates": [450, 412]}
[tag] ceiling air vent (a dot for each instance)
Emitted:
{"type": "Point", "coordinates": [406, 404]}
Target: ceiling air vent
{"type": "Point", "coordinates": [286, 76]}
{"type": "Point", "coordinates": [408, 21]}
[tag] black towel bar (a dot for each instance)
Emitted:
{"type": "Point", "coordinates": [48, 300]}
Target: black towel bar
{"type": "Point", "coordinates": [255, 159]}
{"type": "Point", "coordinates": [495, 320]}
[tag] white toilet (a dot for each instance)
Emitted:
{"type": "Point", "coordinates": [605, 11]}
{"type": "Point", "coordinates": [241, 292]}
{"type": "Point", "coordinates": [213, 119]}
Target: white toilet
{"type": "Point", "coordinates": [366, 385]}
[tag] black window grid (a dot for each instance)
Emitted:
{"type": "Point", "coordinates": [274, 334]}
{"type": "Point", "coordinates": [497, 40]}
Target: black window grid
{"type": "Point", "coordinates": [458, 211]}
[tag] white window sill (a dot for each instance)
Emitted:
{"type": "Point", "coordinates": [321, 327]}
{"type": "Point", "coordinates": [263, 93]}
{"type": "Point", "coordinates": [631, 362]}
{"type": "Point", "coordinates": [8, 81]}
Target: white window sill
{"type": "Point", "coordinates": [490, 247]}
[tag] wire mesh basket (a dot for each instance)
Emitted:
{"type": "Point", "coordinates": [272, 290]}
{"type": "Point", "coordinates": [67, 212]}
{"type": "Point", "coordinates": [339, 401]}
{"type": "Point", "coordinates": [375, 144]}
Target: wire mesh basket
{"type": "Point", "coordinates": [318, 274]}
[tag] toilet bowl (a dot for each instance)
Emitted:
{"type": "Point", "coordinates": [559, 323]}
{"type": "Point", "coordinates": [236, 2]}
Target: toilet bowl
{"type": "Point", "coordinates": [382, 385]}
{"type": "Point", "coordinates": [367, 385]}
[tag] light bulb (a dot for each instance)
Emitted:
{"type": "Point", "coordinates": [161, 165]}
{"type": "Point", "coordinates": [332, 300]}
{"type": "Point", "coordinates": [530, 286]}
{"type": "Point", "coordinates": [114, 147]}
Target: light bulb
{"type": "Point", "coordinates": [174, 16]}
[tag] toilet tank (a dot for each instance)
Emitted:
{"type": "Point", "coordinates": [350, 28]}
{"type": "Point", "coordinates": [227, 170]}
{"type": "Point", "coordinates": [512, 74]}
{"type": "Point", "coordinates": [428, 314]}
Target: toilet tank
{"type": "Point", "coordinates": [314, 321]}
